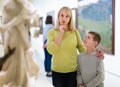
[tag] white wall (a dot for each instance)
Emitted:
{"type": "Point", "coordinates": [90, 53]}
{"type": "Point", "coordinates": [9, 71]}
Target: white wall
{"type": "Point", "coordinates": [114, 60]}
{"type": "Point", "coordinates": [49, 5]}
{"type": "Point", "coordinates": [117, 28]}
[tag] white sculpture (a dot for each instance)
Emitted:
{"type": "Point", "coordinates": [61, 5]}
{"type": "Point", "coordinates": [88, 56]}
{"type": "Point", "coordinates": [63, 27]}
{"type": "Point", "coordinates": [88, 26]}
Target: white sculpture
{"type": "Point", "coordinates": [19, 66]}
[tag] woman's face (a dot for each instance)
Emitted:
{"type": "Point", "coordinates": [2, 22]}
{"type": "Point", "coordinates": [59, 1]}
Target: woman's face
{"type": "Point", "coordinates": [64, 17]}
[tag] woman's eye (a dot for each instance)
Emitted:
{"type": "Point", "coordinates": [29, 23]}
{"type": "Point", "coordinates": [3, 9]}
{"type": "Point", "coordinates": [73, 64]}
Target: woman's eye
{"type": "Point", "coordinates": [62, 15]}
{"type": "Point", "coordinates": [67, 16]}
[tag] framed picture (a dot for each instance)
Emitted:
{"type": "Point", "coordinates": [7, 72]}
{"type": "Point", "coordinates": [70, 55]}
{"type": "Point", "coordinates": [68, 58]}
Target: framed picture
{"type": "Point", "coordinates": [98, 16]}
{"type": "Point", "coordinates": [0, 19]}
{"type": "Point", "coordinates": [74, 14]}
{"type": "Point", "coordinates": [41, 24]}
{"type": "Point", "coordinates": [52, 13]}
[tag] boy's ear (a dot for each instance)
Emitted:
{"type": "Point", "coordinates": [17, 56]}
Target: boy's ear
{"type": "Point", "coordinates": [95, 43]}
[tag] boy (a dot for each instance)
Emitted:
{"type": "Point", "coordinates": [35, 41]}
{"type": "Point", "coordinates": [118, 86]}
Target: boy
{"type": "Point", "coordinates": [90, 68]}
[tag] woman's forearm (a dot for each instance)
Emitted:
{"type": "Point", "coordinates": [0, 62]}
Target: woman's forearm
{"type": "Point", "coordinates": [58, 40]}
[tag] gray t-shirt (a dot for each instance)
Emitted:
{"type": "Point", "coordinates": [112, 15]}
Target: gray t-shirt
{"type": "Point", "coordinates": [90, 70]}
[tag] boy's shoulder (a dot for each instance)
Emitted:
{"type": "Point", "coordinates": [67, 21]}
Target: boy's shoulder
{"type": "Point", "coordinates": [81, 54]}
{"type": "Point", "coordinates": [93, 55]}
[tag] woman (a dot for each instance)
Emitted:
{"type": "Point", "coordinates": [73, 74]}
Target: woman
{"type": "Point", "coordinates": [47, 61]}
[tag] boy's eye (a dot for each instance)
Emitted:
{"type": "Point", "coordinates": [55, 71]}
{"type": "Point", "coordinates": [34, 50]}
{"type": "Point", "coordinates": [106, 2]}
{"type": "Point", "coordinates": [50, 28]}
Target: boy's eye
{"type": "Point", "coordinates": [86, 36]}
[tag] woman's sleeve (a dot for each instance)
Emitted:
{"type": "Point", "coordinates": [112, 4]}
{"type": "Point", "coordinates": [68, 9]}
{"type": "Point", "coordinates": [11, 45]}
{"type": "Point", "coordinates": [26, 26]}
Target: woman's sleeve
{"type": "Point", "coordinates": [80, 45]}
{"type": "Point", "coordinates": [52, 47]}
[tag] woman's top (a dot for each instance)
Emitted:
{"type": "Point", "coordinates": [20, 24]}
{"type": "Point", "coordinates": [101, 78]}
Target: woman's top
{"type": "Point", "coordinates": [65, 55]}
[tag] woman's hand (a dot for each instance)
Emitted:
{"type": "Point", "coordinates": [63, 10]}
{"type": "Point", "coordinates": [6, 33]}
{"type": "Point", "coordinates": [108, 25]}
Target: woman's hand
{"type": "Point", "coordinates": [58, 40]}
{"type": "Point", "coordinates": [81, 86]}
{"type": "Point", "coordinates": [100, 54]}
{"type": "Point", "coordinates": [62, 28]}
{"type": "Point", "coordinates": [45, 45]}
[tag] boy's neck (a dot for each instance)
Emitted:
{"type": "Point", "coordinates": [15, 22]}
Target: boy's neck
{"type": "Point", "coordinates": [90, 50]}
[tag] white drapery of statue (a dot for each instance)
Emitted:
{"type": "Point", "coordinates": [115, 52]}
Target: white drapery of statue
{"type": "Point", "coordinates": [20, 66]}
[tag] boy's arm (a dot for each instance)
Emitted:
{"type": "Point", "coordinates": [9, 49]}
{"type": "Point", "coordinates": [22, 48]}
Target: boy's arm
{"type": "Point", "coordinates": [99, 76]}
{"type": "Point", "coordinates": [79, 77]}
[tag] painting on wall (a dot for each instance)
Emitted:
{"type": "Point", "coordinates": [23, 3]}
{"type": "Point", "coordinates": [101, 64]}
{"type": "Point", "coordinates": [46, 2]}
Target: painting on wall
{"type": "Point", "coordinates": [0, 19]}
{"type": "Point", "coordinates": [74, 14]}
{"type": "Point", "coordinates": [98, 16]}
{"type": "Point", "coordinates": [41, 24]}
{"type": "Point", "coordinates": [52, 13]}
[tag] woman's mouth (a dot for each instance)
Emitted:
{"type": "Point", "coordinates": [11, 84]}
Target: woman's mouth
{"type": "Point", "coordinates": [63, 22]}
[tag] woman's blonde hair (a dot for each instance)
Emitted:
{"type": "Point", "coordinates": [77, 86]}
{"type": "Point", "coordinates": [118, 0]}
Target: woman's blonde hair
{"type": "Point", "coordinates": [70, 24]}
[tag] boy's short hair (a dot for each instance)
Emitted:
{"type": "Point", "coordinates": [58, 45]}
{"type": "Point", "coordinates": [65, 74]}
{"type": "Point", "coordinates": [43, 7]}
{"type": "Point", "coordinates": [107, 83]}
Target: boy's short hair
{"type": "Point", "coordinates": [96, 36]}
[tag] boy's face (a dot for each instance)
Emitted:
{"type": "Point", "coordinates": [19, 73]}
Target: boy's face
{"type": "Point", "coordinates": [89, 42]}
